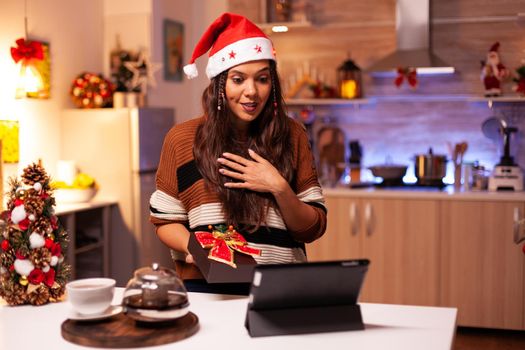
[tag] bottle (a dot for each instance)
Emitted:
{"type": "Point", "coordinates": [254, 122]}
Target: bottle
{"type": "Point", "coordinates": [356, 153]}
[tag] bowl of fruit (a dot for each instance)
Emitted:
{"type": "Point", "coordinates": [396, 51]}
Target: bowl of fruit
{"type": "Point", "coordinates": [82, 189]}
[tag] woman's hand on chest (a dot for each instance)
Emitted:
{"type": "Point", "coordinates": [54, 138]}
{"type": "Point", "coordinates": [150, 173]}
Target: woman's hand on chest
{"type": "Point", "coordinates": [256, 174]}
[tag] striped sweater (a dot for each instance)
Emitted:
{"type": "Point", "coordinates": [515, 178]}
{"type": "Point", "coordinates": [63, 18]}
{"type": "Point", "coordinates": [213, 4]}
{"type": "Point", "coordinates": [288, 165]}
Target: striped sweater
{"type": "Point", "coordinates": [181, 195]}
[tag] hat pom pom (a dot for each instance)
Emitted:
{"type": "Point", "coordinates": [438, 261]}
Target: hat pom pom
{"type": "Point", "coordinates": [191, 71]}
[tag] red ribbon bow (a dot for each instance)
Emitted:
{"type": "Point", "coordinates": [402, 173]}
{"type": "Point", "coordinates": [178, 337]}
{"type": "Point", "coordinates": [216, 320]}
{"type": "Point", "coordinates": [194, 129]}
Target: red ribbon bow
{"type": "Point", "coordinates": [409, 73]}
{"type": "Point", "coordinates": [223, 243]}
{"type": "Point", "coordinates": [27, 50]}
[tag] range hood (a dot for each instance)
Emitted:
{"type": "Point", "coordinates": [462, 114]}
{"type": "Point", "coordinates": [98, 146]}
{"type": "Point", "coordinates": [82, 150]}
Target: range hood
{"type": "Point", "coordinates": [414, 47]}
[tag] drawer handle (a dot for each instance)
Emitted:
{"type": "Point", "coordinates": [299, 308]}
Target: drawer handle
{"type": "Point", "coordinates": [519, 225]}
{"type": "Point", "coordinates": [368, 218]}
{"type": "Point", "coordinates": [353, 219]}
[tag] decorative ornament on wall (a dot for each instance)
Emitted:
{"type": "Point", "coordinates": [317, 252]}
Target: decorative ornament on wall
{"type": "Point", "coordinates": [9, 136]}
{"type": "Point", "coordinates": [173, 38]}
{"type": "Point", "coordinates": [406, 73]}
{"type": "Point", "coordinates": [32, 56]}
{"type": "Point", "coordinates": [131, 74]}
{"type": "Point", "coordinates": [90, 90]}
{"type": "Point", "coordinates": [143, 72]}
{"type": "Point", "coordinates": [35, 68]}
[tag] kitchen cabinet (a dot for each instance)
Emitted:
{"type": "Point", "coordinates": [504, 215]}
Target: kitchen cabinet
{"type": "Point", "coordinates": [399, 236]}
{"type": "Point", "coordinates": [482, 269]}
{"type": "Point", "coordinates": [434, 248]}
{"type": "Point", "coordinates": [88, 226]}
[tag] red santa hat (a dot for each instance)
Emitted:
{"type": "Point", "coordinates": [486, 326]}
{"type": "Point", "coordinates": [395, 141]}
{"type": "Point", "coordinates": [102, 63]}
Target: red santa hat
{"type": "Point", "coordinates": [233, 40]}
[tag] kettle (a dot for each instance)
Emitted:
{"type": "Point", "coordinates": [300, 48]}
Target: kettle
{"type": "Point", "coordinates": [155, 294]}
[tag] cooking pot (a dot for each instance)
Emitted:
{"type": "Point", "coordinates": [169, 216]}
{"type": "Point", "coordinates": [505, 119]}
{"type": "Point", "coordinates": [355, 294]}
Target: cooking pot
{"type": "Point", "coordinates": [430, 167]}
{"type": "Point", "coordinates": [389, 171]}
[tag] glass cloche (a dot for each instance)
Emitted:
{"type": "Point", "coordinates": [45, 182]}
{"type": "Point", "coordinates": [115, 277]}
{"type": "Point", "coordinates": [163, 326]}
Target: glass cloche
{"type": "Point", "coordinates": [155, 294]}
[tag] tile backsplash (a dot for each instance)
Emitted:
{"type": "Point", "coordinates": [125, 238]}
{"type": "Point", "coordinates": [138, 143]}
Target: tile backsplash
{"type": "Point", "coordinates": [398, 130]}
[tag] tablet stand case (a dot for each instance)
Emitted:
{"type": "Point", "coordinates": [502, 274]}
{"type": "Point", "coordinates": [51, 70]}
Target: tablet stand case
{"type": "Point", "coordinates": [302, 320]}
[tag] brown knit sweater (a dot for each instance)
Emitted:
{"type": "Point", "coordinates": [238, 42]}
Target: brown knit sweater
{"type": "Point", "coordinates": [182, 197]}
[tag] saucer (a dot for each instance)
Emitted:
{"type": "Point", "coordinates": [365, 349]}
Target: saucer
{"type": "Point", "coordinates": [109, 312]}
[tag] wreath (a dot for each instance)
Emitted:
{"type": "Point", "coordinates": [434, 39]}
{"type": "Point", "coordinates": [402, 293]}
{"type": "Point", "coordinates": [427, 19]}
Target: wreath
{"type": "Point", "coordinates": [91, 90]}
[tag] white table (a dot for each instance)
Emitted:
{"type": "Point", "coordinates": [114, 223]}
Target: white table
{"type": "Point", "coordinates": [387, 327]}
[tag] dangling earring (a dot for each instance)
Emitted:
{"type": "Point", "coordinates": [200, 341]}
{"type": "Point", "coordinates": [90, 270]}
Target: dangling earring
{"type": "Point", "coordinates": [274, 97]}
{"type": "Point", "coordinates": [220, 101]}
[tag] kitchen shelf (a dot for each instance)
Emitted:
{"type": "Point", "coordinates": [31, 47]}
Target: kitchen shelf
{"type": "Point", "coordinates": [326, 101]}
{"type": "Point", "coordinates": [332, 25]}
{"type": "Point", "coordinates": [88, 225]}
{"type": "Point", "coordinates": [402, 98]}
{"type": "Point", "coordinates": [291, 25]}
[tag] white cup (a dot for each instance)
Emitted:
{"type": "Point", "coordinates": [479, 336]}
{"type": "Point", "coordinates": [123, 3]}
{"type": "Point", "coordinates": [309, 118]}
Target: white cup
{"type": "Point", "coordinates": [90, 296]}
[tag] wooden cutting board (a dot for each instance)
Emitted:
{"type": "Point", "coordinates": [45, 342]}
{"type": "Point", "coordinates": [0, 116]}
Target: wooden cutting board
{"type": "Point", "coordinates": [123, 332]}
{"type": "Point", "coordinates": [331, 148]}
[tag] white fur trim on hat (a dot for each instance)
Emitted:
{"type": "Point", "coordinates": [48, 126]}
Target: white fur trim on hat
{"type": "Point", "coordinates": [242, 51]}
{"type": "Point", "coordinates": [191, 71]}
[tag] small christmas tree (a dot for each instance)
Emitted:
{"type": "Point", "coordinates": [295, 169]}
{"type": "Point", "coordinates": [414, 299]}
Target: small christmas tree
{"type": "Point", "coordinates": [32, 266]}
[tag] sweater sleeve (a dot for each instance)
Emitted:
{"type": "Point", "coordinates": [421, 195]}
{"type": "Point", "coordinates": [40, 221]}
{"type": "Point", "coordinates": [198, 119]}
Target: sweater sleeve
{"type": "Point", "coordinates": [165, 205]}
{"type": "Point", "coordinates": [306, 183]}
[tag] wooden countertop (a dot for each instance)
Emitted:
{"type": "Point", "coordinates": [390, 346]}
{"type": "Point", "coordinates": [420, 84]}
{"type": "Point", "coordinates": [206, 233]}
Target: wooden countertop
{"type": "Point", "coordinates": [66, 208]}
{"type": "Point", "coordinates": [448, 193]}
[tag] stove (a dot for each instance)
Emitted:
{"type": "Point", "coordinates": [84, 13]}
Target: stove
{"type": "Point", "coordinates": [420, 185]}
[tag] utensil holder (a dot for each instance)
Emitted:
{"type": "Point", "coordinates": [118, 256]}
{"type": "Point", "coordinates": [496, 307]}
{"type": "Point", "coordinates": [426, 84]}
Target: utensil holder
{"type": "Point", "coordinates": [457, 176]}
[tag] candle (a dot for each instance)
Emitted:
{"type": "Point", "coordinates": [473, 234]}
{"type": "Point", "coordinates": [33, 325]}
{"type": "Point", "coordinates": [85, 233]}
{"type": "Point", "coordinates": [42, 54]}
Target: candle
{"type": "Point", "coordinates": [348, 89]}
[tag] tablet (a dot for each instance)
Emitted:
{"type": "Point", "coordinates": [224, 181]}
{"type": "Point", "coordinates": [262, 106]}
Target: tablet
{"type": "Point", "coordinates": [307, 284]}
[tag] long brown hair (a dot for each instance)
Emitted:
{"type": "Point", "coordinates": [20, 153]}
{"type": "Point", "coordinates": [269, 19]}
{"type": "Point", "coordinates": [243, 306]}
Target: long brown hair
{"type": "Point", "coordinates": [268, 135]}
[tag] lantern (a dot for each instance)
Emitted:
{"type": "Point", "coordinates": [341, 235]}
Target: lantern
{"type": "Point", "coordinates": [349, 80]}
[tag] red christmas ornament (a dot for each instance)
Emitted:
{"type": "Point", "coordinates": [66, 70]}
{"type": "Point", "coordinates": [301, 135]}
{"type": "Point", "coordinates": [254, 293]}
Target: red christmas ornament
{"type": "Point", "coordinates": [36, 276]}
{"type": "Point", "coordinates": [5, 245]}
{"type": "Point", "coordinates": [49, 279]}
{"type": "Point", "coordinates": [56, 249]}
{"type": "Point", "coordinates": [19, 255]}
{"type": "Point", "coordinates": [24, 224]}
{"type": "Point", "coordinates": [48, 243]}
{"type": "Point", "coordinates": [54, 222]}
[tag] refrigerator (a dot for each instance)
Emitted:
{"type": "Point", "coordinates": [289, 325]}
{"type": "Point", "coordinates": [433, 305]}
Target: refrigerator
{"type": "Point", "coordinates": [121, 148]}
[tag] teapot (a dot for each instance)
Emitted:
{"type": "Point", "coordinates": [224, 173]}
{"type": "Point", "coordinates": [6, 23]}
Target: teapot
{"type": "Point", "coordinates": [155, 294]}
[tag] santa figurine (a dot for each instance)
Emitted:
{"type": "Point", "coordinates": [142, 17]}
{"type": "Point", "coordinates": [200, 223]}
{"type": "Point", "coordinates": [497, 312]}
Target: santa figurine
{"type": "Point", "coordinates": [493, 72]}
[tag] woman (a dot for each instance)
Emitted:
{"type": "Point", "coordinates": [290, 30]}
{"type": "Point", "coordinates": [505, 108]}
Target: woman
{"type": "Point", "coordinates": [244, 163]}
